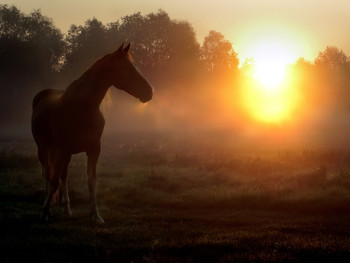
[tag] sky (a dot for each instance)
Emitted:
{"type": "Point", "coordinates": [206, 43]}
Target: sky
{"type": "Point", "coordinates": [305, 27]}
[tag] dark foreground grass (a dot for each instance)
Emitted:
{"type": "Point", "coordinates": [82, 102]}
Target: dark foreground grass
{"type": "Point", "coordinates": [161, 205]}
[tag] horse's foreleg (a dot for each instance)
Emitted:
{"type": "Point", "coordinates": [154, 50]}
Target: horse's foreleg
{"type": "Point", "coordinates": [91, 170]}
{"type": "Point", "coordinates": [46, 175]}
{"type": "Point", "coordinates": [56, 160]}
{"type": "Point", "coordinates": [66, 201]}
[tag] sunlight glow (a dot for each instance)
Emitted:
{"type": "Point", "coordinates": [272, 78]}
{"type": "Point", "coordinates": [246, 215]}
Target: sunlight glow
{"type": "Point", "coordinates": [268, 95]}
{"type": "Point", "coordinates": [270, 105]}
{"type": "Point", "coordinates": [270, 61]}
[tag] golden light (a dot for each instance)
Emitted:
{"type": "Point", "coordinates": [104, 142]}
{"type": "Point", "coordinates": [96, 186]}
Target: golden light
{"type": "Point", "coordinates": [269, 105]}
{"type": "Point", "coordinates": [267, 95]}
{"type": "Point", "coordinates": [270, 60]}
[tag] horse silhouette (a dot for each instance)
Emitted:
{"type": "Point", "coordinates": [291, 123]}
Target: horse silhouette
{"type": "Point", "coordinates": [66, 122]}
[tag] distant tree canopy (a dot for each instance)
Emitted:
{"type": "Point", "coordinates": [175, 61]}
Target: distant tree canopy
{"type": "Point", "coordinates": [217, 53]}
{"type": "Point", "coordinates": [157, 41]}
{"type": "Point", "coordinates": [332, 59]}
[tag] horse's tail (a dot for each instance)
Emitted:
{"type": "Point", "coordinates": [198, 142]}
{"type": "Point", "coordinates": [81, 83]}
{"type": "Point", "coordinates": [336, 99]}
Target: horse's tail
{"type": "Point", "coordinates": [56, 197]}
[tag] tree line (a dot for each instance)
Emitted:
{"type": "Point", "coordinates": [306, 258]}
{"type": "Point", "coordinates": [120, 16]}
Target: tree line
{"type": "Point", "coordinates": [35, 54]}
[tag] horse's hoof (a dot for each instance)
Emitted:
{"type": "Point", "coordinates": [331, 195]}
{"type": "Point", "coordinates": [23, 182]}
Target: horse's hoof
{"type": "Point", "coordinates": [45, 217]}
{"type": "Point", "coordinates": [68, 212]}
{"type": "Point", "coordinates": [97, 219]}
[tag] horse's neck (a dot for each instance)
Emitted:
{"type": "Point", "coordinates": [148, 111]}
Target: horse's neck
{"type": "Point", "coordinates": [89, 90]}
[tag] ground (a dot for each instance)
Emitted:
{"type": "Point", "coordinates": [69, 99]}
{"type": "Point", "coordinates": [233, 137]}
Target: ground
{"type": "Point", "coordinates": [162, 203]}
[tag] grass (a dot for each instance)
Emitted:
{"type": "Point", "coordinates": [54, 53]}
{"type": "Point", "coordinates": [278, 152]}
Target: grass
{"type": "Point", "coordinates": [164, 204]}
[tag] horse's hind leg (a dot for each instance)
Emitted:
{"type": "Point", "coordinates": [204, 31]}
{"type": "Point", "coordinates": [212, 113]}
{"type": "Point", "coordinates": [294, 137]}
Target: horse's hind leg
{"type": "Point", "coordinates": [43, 155]}
{"type": "Point", "coordinates": [56, 161]}
{"type": "Point", "coordinates": [65, 196]}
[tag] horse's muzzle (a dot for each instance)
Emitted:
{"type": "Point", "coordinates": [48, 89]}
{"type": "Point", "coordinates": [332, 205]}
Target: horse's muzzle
{"type": "Point", "coordinates": [148, 97]}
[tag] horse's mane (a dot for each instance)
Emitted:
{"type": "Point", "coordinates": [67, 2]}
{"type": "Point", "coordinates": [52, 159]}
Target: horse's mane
{"type": "Point", "coordinates": [90, 71]}
{"type": "Point", "coordinates": [95, 66]}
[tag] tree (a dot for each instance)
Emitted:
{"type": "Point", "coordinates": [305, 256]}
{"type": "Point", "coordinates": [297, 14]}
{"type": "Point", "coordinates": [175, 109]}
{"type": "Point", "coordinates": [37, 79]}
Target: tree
{"type": "Point", "coordinates": [31, 49]}
{"type": "Point", "coordinates": [159, 42]}
{"type": "Point", "coordinates": [217, 53]}
{"type": "Point", "coordinates": [87, 43]}
{"type": "Point", "coordinates": [333, 59]}
{"type": "Point", "coordinates": [11, 23]}
{"type": "Point", "coordinates": [33, 38]}
{"type": "Point", "coordinates": [160, 46]}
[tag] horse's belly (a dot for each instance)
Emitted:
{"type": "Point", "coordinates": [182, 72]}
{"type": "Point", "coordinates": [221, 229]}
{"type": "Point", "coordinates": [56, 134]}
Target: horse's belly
{"type": "Point", "coordinates": [84, 145]}
{"type": "Point", "coordinates": [78, 140]}
{"type": "Point", "coordinates": [41, 128]}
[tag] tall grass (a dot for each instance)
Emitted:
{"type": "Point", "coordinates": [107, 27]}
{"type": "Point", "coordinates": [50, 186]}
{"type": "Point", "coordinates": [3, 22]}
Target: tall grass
{"type": "Point", "coordinates": [149, 174]}
{"type": "Point", "coordinates": [162, 203]}
{"type": "Point", "coordinates": [12, 160]}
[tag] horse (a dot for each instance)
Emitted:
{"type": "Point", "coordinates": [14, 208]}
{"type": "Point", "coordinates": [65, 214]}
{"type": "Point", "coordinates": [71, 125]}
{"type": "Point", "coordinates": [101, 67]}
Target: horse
{"type": "Point", "coordinates": [66, 122]}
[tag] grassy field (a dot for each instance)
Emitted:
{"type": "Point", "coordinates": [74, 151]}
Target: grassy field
{"type": "Point", "coordinates": [173, 200]}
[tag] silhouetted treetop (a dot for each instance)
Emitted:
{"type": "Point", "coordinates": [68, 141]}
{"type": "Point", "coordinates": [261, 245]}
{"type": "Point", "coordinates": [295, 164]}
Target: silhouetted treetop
{"type": "Point", "coordinates": [31, 36]}
{"type": "Point", "coordinates": [85, 44]}
{"type": "Point", "coordinates": [333, 59]}
{"type": "Point", "coordinates": [158, 40]}
{"type": "Point", "coordinates": [217, 53]}
{"type": "Point", "coordinates": [11, 23]}
{"type": "Point", "coordinates": [31, 52]}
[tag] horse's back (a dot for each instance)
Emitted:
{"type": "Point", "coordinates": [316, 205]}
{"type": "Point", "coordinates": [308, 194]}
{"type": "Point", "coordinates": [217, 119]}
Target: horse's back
{"type": "Point", "coordinates": [47, 95]}
{"type": "Point", "coordinates": [44, 104]}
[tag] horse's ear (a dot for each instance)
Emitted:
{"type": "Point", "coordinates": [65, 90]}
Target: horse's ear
{"type": "Point", "coordinates": [120, 48]}
{"type": "Point", "coordinates": [126, 50]}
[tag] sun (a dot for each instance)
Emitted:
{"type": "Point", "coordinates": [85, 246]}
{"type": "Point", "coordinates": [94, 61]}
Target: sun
{"type": "Point", "coordinates": [267, 95]}
{"type": "Point", "coordinates": [270, 62]}
{"type": "Point", "coordinates": [271, 58]}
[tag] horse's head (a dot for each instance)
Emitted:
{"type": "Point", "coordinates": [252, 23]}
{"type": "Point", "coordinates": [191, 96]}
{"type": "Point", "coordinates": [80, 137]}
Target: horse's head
{"type": "Point", "coordinates": [126, 76]}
